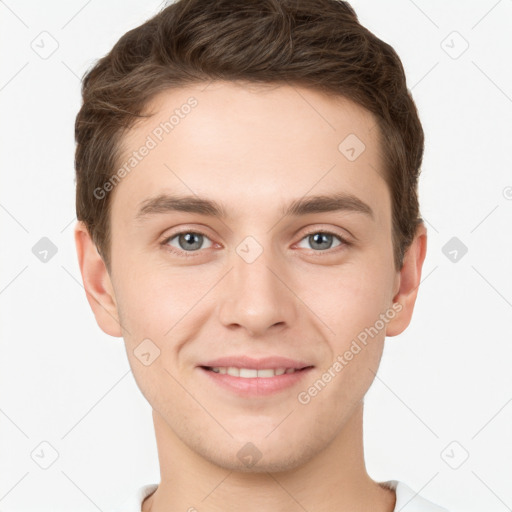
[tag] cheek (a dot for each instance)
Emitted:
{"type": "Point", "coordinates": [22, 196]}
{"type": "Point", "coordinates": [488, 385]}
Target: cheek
{"type": "Point", "coordinates": [153, 300]}
{"type": "Point", "coordinates": [153, 307]}
{"type": "Point", "coordinates": [352, 299]}
{"type": "Point", "coordinates": [353, 310]}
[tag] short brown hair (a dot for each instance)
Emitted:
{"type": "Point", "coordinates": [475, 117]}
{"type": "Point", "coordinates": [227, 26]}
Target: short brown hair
{"type": "Point", "coordinates": [318, 44]}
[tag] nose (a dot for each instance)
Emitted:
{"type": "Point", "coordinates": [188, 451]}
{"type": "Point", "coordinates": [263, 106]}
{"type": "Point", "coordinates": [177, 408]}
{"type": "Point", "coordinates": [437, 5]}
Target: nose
{"type": "Point", "coordinates": [257, 295]}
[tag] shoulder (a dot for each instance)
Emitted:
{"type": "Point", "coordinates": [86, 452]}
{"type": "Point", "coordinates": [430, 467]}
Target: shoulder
{"type": "Point", "coordinates": [134, 502]}
{"type": "Point", "coordinates": [408, 500]}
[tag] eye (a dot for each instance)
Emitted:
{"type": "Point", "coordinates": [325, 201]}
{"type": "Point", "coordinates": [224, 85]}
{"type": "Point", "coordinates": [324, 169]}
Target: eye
{"type": "Point", "coordinates": [186, 241]}
{"type": "Point", "coordinates": [323, 240]}
{"type": "Point", "coordinates": [192, 242]}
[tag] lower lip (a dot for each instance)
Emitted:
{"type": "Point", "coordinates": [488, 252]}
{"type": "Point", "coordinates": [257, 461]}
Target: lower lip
{"type": "Point", "coordinates": [257, 386]}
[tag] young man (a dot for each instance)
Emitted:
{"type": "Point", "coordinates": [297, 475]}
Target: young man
{"type": "Point", "coordinates": [249, 224]}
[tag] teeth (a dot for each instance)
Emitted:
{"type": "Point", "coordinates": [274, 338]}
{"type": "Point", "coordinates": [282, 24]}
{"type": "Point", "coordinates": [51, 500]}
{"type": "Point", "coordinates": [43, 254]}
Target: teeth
{"type": "Point", "coordinates": [248, 374]}
{"type": "Point", "coordinates": [251, 373]}
{"type": "Point", "coordinates": [262, 373]}
{"type": "Point", "coordinates": [235, 372]}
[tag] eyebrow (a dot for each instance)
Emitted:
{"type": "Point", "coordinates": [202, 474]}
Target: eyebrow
{"type": "Point", "coordinates": [165, 203]}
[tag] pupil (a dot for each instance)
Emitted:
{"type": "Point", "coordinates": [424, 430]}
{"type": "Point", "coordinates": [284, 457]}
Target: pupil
{"type": "Point", "coordinates": [318, 238]}
{"type": "Point", "coordinates": [191, 239]}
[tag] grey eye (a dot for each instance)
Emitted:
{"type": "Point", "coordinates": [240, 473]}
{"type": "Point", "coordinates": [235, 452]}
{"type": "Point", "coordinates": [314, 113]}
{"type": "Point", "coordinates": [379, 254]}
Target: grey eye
{"type": "Point", "coordinates": [188, 241]}
{"type": "Point", "coordinates": [321, 240]}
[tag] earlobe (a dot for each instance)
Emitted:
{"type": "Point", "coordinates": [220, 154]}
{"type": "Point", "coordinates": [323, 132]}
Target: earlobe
{"type": "Point", "coordinates": [97, 283]}
{"type": "Point", "coordinates": [409, 281]}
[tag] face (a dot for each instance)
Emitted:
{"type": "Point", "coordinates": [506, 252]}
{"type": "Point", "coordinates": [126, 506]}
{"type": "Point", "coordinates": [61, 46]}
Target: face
{"type": "Point", "coordinates": [262, 280]}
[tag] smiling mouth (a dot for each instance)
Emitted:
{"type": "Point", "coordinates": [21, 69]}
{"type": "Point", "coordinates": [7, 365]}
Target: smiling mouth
{"type": "Point", "coordinates": [252, 373]}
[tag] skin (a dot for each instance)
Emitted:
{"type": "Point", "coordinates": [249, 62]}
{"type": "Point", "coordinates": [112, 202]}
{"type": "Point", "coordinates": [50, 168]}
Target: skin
{"type": "Point", "coordinates": [254, 150]}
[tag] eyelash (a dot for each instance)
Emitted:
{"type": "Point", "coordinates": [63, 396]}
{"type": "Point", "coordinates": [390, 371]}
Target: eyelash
{"type": "Point", "coordinates": [190, 254]}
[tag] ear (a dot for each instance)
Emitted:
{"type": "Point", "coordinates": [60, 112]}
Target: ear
{"type": "Point", "coordinates": [408, 281]}
{"type": "Point", "coordinates": [97, 283]}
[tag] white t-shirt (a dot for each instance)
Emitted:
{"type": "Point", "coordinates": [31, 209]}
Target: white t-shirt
{"type": "Point", "coordinates": [406, 499]}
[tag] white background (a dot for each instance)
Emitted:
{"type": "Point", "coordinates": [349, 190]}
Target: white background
{"type": "Point", "coordinates": [445, 382]}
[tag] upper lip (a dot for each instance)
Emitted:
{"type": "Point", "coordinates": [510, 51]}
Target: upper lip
{"type": "Point", "coordinates": [272, 362]}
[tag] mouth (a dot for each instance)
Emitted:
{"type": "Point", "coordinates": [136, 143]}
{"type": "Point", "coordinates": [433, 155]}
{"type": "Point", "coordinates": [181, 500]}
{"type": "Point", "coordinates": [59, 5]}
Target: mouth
{"type": "Point", "coordinates": [253, 382]}
{"type": "Point", "coordinates": [253, 373]}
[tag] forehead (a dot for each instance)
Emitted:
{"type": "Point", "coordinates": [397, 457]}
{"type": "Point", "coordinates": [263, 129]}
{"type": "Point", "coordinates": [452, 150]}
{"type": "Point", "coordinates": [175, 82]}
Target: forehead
{"type": "Point", "coordinates": [244, 144]}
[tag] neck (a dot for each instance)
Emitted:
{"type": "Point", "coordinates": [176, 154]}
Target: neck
{"type": "Point", "coordinates": [332, 480]}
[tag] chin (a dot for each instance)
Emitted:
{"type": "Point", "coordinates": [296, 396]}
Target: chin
{"type": "Point", "coordinates": [259, 456]}
{"type": "Point", "coordinates": [274, 464]}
